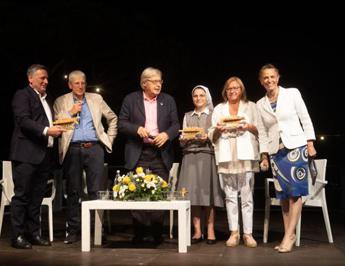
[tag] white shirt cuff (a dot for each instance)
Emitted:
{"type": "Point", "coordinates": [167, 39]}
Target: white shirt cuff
{"type": "Point", "coordinates": [45, 131]}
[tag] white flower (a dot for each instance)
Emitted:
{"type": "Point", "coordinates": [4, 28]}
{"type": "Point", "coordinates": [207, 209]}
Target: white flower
{"type": "Point", "coordinates": [147, 186]}
{"type": "Point", "coordinates": [120, 178]}
{"type": "Point", "coordinates": [123, 189]}
{"type": "Point", "coordinates": [151, 184]}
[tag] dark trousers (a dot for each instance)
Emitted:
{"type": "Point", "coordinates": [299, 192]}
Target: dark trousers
{"type": "Point", "coordinates": [150, 158]}
{"type": "Point", "coordinates": [77, 160]}
{"type": "Point", "coordinates": [30, 184]}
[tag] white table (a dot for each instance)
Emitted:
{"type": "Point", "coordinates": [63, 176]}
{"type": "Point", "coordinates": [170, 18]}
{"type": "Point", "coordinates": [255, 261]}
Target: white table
{"type": "Point", "coordinates": [182, 206]}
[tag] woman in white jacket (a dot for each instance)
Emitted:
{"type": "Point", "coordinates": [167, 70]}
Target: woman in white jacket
{"type": "Point", "coordinates": [286, 135]}
{"type": "Point", "coordinates": [236, 150]}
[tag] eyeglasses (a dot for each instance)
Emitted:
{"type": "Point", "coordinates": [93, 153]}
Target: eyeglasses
{"type": "Point", "coordinates": [157, 81]}
{"type": "Point", "coordinates": [233, 88]}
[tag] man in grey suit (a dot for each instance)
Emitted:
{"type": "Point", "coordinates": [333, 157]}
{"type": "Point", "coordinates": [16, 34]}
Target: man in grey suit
{"type": "Point", "coordinates": [149, 120]}
{"type": "Point", "coordinates": [83, 147]}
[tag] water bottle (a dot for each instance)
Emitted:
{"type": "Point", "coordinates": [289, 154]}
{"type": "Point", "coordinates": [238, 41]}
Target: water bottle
{"type": "Point", "coordinates": [116, 179]}
{"type": "Point", "coordinates": [116, 176]}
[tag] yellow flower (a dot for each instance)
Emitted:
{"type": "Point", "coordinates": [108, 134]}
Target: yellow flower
{"type": "Point", "coordinates": [126, 180]}
{"type": "Point", "coordinates": [139, 170]}
{"type": "Point", "coordinates": [164, 184]}
{"type": "Point", "coordinates": [140, 185]}
{"type": "Point", "coordinates": [116, 188]}
{"type": "Point", "coordinates": [149, 178]}
{"type": "Point", "coordinates": [131, 186]}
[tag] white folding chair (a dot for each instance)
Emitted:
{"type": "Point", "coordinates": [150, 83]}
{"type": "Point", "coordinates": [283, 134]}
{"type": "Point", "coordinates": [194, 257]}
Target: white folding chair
{"type": "Point", "coordinates": [172, 184]}
{"type": "Point", "coordinates": [316, 198]}
{"type": "Point", "coordinates": [268, 203]}
{"type": "Point", "coordinates": [8, 192]}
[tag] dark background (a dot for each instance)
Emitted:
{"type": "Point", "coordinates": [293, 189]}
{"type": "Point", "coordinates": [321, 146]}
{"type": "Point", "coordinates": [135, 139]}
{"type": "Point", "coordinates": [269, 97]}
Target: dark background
{"type": "Point", "coordinates": [192, 43]}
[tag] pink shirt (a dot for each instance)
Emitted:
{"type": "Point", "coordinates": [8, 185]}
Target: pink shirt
{"type": "Point", "coordinates": [151, 117]}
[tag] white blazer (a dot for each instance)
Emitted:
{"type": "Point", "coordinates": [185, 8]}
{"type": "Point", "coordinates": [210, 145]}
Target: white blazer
{"type": "Point", "coordinates": [247, 144]}
{"type": "Point", "coordinates": [98, 109]}
{"type": "Point", "coordinates": [291, 122]}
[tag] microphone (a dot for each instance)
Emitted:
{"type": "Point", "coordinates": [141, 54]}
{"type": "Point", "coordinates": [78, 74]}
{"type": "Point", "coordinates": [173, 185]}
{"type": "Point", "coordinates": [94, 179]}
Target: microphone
{"type": "Point", "coordinates": [78, 113]}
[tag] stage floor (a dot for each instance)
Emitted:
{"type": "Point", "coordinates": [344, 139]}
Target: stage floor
{"type": "Point", "coordinates": [118, 249]}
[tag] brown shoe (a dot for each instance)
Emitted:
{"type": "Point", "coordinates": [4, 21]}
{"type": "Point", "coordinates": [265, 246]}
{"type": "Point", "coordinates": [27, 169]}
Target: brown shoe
{"type": "Point", "coordinates": [233, 240]}
{"type": "Point", "coordinates": [249, 241]}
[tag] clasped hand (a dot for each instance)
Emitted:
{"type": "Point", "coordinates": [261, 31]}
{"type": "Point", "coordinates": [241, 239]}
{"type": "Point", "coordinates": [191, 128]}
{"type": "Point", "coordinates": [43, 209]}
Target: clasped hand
{"type": "Point", "coordinates": [264, 165]}
{"type": "Point", "coordinates": [158, 140]}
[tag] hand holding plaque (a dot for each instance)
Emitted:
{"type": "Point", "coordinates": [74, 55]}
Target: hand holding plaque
{"type": "Point", "coordinates": [232, 121]}
{"type": "Point", "coordinates": [190, 133]}
{"type": "Point", "coordinates": [66, 123]}
{"type": "Point", "coordinates": [229, 126]}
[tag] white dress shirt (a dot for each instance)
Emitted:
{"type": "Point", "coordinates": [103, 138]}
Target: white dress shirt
{"type": "Point", "coordinates": [49, 116]}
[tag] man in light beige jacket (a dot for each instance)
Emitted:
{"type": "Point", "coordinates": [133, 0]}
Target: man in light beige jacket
{"type": "Point", "coordinates": [82, 148]}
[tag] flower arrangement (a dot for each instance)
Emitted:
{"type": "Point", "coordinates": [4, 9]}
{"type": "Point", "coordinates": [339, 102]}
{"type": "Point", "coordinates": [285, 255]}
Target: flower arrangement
{"type": "Point", "coordinates": [140, 186]}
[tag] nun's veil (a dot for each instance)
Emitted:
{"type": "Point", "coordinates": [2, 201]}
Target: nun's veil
{"type": "Point", "coordinates": [208, 95]}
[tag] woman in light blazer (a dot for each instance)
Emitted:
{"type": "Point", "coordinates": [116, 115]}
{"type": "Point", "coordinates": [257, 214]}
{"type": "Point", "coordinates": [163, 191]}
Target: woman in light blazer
{"type": "Point", "coordinates": [237, 157]}
{"type": "Point", "coordinates": [286, 137]}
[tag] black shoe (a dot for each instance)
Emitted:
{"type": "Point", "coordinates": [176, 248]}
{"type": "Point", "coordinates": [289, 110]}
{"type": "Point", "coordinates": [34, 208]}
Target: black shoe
{"type": "Point", "coordinates": [39, 241]}
{"type": "Point", "coordinates": [71, 238]}
{"type": "Point", "coordinates": [211, 241]}
{"type": "Point", "coordinates": [21, 242]}
{"type": "Point", "coordinates": [197, 240]}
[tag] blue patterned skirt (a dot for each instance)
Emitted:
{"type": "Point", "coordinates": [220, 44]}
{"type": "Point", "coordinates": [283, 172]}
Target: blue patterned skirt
{"type": "Point", "coordinates": [290, 169]}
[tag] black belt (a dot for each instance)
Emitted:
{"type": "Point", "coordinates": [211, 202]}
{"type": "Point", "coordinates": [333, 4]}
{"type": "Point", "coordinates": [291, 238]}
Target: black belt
{"type": "Point", "coordinates": [88, 144]}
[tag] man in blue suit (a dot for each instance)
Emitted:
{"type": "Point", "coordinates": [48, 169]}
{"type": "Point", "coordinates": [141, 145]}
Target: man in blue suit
{"type": "Point", "coordinates": [149, 120]}
{"type": "Point", "coordinates": [31, 155]}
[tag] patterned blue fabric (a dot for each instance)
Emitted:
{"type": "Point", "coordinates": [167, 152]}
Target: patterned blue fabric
{"type": "Point", "coordinates": [290, 168]}
{"type": "Point", "coordinates": [274, 106]}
